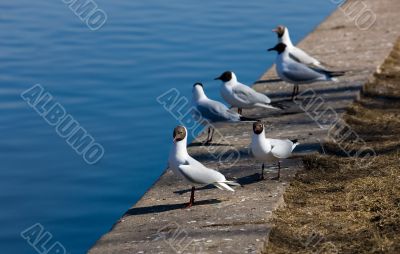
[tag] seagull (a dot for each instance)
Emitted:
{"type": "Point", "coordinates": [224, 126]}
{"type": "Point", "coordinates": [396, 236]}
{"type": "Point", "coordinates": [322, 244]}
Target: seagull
{"type": "Point", "coordinates": [191, 170]}
{"type": "Point", "coordinates": [270, 150]}
{"type": "Point", "coordinates": [303, 57]}
{"type": "Point", "coordinates": [241, 96]}
{"type": "Point", "coordinates": [291, 70]}
{"type": "Point", "coordinates": [213, 111]}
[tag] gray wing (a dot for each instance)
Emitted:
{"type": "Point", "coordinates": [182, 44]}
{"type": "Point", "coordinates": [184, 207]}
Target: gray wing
{"type": "Point", "coordinates": [305, 58]}
{"type": "Point", "coordinates": [299, 72]}
{"type": "Point", "coordinates": [196, 172]}
{"type": "Point", "coordinates": [248, 95]}
{"type": "Point", "coordinates": [281, 148]}
{"type": "Point", "coordinates": [215, 111]}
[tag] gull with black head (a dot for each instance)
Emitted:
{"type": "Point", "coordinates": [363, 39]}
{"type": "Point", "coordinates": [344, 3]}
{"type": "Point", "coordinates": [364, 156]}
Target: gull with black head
{"type": "Point", "coordinates": [268, 150]}
{"type": "Point", "coordinates": [241, 96]}
{"type": "Point", "coordinates": [191, 170]}
{"type": "Point", "coordinates": [291, 70]}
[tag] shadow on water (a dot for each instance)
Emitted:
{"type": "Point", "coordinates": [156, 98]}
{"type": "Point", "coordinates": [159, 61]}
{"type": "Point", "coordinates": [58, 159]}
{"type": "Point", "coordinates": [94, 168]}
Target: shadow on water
{"type": "Point", "coordinates": [165, 208]}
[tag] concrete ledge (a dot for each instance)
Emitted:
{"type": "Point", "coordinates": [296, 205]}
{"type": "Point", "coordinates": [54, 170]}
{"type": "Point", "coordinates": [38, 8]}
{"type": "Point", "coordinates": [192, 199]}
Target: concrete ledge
{"type": "Point", "coordinates": [223, 222]}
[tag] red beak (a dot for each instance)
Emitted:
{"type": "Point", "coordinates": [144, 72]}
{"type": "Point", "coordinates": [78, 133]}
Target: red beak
{"type": "Point", "coordinates": [275, 30]}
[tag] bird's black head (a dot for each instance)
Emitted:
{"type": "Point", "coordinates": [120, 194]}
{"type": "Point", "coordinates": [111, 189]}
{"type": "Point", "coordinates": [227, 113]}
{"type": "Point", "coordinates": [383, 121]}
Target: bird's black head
{"type": "Point", "coordinates": [225, 77]}
{"type": "Point", "coordinates": [280, 47]}
{"type": "Point", "coordinates": [179, 133]}
{"type": "Point", "coordinates": [258, 127]}
{"type": "Point", "coordinates": [198, 84]}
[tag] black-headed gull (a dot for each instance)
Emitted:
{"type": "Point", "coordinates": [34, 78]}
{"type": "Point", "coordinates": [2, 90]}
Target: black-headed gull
{"type": "Point", "coordinates": [183, 165]}
{"type": "Point", "coordinates": [283, 36]}
{"type": "Point", "coordinates": [291, 70]}
{"type": "Point", "coordinates": [213, 111]}
{"type": "Point", "coordinates": [241, 96]}
{"type": "Point", "coordinates": [269, 150]}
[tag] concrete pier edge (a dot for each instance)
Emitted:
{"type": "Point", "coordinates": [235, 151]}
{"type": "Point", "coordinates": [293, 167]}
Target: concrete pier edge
{"type": "Point", "coordinates": [224, 222]}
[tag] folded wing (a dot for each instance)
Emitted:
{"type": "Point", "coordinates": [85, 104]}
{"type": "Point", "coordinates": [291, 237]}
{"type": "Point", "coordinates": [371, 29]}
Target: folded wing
{"type": "Point", "coordinates": [196, 172]}
{"type": "Point", "coordinates": [248, 95]}
{"type": "Point", "coordinates": [281, 148]}
{"type": "Point", "coordinates": [215, 111]}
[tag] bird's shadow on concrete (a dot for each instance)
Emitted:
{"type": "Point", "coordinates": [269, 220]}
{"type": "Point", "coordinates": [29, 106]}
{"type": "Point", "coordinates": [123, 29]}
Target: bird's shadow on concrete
{"type": "Point", "coordinates": [325, 90]}
{"type": "Point", "coordinates": [207, 187]}
{"type": "Point", "coordinates": [267, 81]}
{"type": "Point", "coordinates": [165, 208]}
{"type": "Point", "coordinates": [249, 179]}
{"type": "Point", "coordinates": [197, 144]}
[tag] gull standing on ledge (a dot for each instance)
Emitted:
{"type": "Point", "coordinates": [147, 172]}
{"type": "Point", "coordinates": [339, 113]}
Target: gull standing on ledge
{"type": "Point", "coordinates": [241, 96]}
{"type": "Point", "coordinates": [291, 70]}
{"type": "Point", "coordinates": [191, 170]}
{"type": "Point", "coordinates": [270, 150]}
{"type": "Point", "coordinates": [283, 37]}
{"type": "Point", "coordinates": [213, 111]}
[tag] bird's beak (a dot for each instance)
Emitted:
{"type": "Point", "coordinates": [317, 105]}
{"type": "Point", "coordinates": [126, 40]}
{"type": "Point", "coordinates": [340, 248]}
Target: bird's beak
{"type": "Point", "coordinates": [218, 78]}
{"type": "Point", "coordinates": [175, 139]}
{"type": "Point", "coordinates": [272, 49]}
{"type": "Point", "coordinates": [275, 30]}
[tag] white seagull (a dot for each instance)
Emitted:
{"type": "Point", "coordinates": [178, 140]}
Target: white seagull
{"type": "Point", "coordinates": [269, 150]}
{"type": "Point", "coordinates": [283, 37]}
{"type": "Point", "coordinates": [291, 70]}
{"type": "Point", "coordinates": [241, 96]}
{"type": "Point", "coordinates": [183, 165]}
{"type": "Point", "coordinates": [213, 111]}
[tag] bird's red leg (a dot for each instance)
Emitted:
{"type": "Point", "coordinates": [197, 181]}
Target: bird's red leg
{"type": "Point", "coordinates": [191, 201]}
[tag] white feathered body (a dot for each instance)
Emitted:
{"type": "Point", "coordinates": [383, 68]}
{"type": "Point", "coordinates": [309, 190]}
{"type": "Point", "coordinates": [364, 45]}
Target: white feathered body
{"type": "Point", "coordinates": [191, 170]}
{"type": "Point", "coordinates": [270, 150]}
{"type": "Point", "coordinates": [241, 96]}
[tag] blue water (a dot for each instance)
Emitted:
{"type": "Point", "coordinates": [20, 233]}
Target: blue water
{"type": "Point", "coordinates": [108, 80]}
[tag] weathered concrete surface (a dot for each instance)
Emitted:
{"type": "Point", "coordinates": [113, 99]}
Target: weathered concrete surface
{"type": "Point", "coordinates": [224, 222]}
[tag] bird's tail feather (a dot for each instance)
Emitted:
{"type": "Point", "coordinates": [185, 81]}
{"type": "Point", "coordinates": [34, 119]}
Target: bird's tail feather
{"type": "Point", "coordinates": [336, 73]}
{"type": "Point", "coordinates": [295, 143]}
{"type": "Point", "coordinates": [265, 106]}
{"type": "Point", "coordinates": [279, 105]}
{"type": "Point", "coordinates": [232, 183]}
{"type": "Point", "coordinates": [324, 65]}
{"type": "Point", "coordinates": [225, 185]}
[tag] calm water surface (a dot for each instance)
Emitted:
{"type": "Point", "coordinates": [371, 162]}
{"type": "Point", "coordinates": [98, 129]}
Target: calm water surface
{"type": "Point", "coordinates": [108, 80]}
